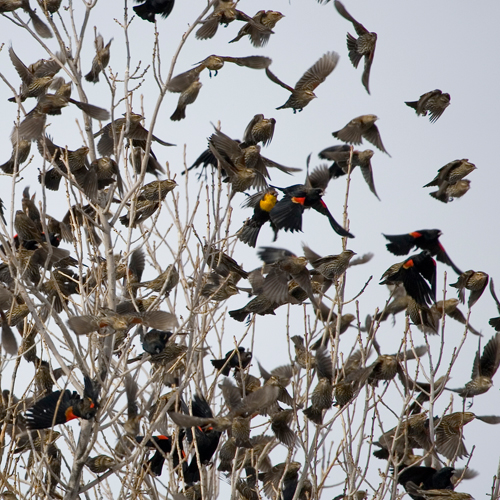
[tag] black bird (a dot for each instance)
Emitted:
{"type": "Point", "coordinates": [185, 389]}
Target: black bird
{"type": "Point", "coordinates": [150, 8]}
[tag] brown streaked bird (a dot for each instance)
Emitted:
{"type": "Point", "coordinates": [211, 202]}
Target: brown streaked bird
{"type": "Point", "coordinates": [322, 395]}
{"type": "Point", "coordinates": [136, 156]}
{"type": "Point", "coordinates": [222, 263]}
{"type": "Point", "coordinates": [304, 358]}
{"type": "Point", "coordinates": [450, 308]}
{"type": "Point", "coordinates": [20, 153]}
{"type": "Point", "coordinates": [385, 367]}
{"type": "Point", "coordinates": [397, 302]}
{"type": "Point", "coordinates": [51, 6]}
{"type": "Point", "coordinates": [425, 318]}
{"type": "Point", "coordinates": [259, 38]}
{"type": "Point", "coordinates": [182, 81]}
{"type": "Point", "coordinates": [364, 45]}
{"type": "Point", "coordinates": [218, 288]}
{"type": "Point", "coordinates": [416, 491]}
{"type": "Point", "coordinates": [135, 131]}
{"type": "Point", "coordinates": [259, 129]}
{"type": "Point", "coordinates": [452, 191]}
{"type": "Point", "coordinates": [187, 97]}
{"type": "Point", "coordinates": [165, 282]}
{"type": "Point", "coordinates": [475, 281]}
{"type": "Point", "coordinates": [449, 432]}
{"type": "Point", "coordinates": [101, 59]}
{"type": "Point", "coordinates": [359, 128]}
{"type": "Point", "coordinates": [149, 199]}
{"type": "Point", "coordinates": [303, 92]}
{"type": "Point", "coordinates": [350, 383]}
{"type": "Point", "coordinates": [52, 104]}
{"type": "Point", "coordinates": [107, 172]}
{"type": "Point", "coordinates": [423, 389]}
{"type": "Point", "coordinates": [326, 314]}
{"type": "Point", "coordinates": [449, 175]}
{"type": "Point", "coordinates": [483, 369]}
{"type": "Point", "coordinates": [282, 474]}
{"type": "Point", "coordinates": [281, 378]}
{"type": "Point", "coordinates": [340, 155]}
{"type": "Point", "coordinates": [225, 12]}
{"type": "Point", "coordinates": [260, 305]}
{"type": "Point", "coordinates": [100, 463]}
{"type": "Point", "coordinates": [433, 102]}
{"type": "Point", "coordinates": [35, 79]}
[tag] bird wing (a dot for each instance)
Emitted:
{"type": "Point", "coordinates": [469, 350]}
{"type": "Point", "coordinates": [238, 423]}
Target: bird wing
{"type": "Point", "coordinates": [318, 72]}
{"type": "Point", "coordinates": [366, 72]}
{"type": "Point", "coordinates": [488, 364]}
{"type": "Point", "coordinates": [319, 177]}
{"type": "Point", "coordinates": [24, 73]}
{"type": "Point", "coordinates": [373, 135]}
{"type": "Point", "coordinates": [183, 81]}
{"type": "Point", "coordinates": [254, 62]}
{"type": "Point", "coordinates": [368, 177]}
{"type": "Point", "coordinates": [276, 80]}
{"type": "Point", "coordinates": [287, 214]}
{"type": "Point", "coordinates": [360, 29]}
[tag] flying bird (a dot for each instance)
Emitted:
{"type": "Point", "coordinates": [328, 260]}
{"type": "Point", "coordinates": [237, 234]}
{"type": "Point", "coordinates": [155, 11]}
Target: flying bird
{"type": "Point", "coordinates": [433, 102]}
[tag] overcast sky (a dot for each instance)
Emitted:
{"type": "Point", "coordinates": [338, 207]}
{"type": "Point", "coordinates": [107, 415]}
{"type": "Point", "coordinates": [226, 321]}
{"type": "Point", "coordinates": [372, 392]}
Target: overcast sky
{"type": "Point", "coordinates": [448, 45]}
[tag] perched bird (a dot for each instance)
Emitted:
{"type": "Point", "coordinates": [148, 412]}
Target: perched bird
{"type": "Point", "coordinates": [433, 102]}
{"type": "Point", "coordinates": [187, 97]}
{"type": "Point", "coordinates": [165, 282]}
{"type": "Point", "coordinates": [303, 92]}
{"type": "Point", "coordinates": [239, 358]}
{"type": "Point", "coordinates": [340, 155]}
{"type": "Point", "coordinates": [225, 12]}
{"type": "Point", "coordinates": [452, 191]}
{"type": "Point", "coordinates": [181, 82]}
{"type": "Point", "coordinates": [475, 281]}
{"type": "Point", "coordinates": [222, 263]}
{"type": "Point", "coordinates": [322, 396]}
{"type": "Point", "coordinates": [259, 37]}
{"type": "Point", "coordinates": [364, 45]}
{"type": "Point", "coordinates": [20, 153]}
{"type": "Point", "coordinates": [150, 8]}
{"type": "Point", "coordinates": [304, 358]}
{"type": "Point", "coordinates": [449, 175]}
{"type": "Point", "coordinates": [287, 213]}
{"type": "Point", "coordinates": [100, 463]}
{"type": "Point", "coordinates": [362, 127]}
{"type": "Point", "coordinates": [131, 128]}
{"type": "Point", "coordinates": [418, 275]}
{"type": "Point", "coordinates": [425, 239]}
{"type": "Point", "coordinates": [259, 129]}
{"type": "Point", "coordinates": [101, 59]}
{"type": "Point", "coordinates": [262, 203]}
{"type": "Point", "coordinates": [217, 287]}
{"type": "Point", "coordinates": [60, 407]}
{"type": "Point", "coordinates": [483, 369]}
{"type": "Point", "coordinates": [148, 201]}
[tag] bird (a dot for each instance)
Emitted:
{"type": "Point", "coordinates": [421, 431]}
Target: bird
{"type": "Point", "coordinates": [287, 213]}
{"type": "Point", "coordinates": [449, 175]}
{"type": "Point", "coordinates": [131, 128]}
{"type": "Point", "coordinates": [60, 407]}
{"type": "Point", "coordinates": [359, 128]}
{"type": "Point", "coordinates": [450, 308]}
{"type": "Point", "coordinates": [260, 129]}
{"type": "Point", "coordinates": [236, 358]}
{"type": "Point", "coordinates": [262, 203]}
{"type": "Point", "coordinates": [418, 276]}
{"type": "Point", "coordinates": [163, 445]}
{"type": "Point", "coordinates": [425, 239]}
{"type": "Point", "coordinates": [41, 28]}
{"type": "Point", "coordinates": [182, 81]}
{"type": "Point", "coordinates": [435, 494]}
{"type": "Point", "coordinates": [341, 155]}
{"type": "Point", "coordinates": [428, 478]}
{"type": "Point", "coordinates": [101, 59]}
{"type": "Point", "coordinates": [494, 322]}
{"type": "Point", "coordinates": [150, 8]}
{"type": "Point", "coordinates": [20, 153]}
{"type": "Point", "coordinates": [303, 92]}
{"type": "Point", "coordinates": [225, 12]}
{"type": "Point", "coordinates": [475, 281]}
{"type": "Point", "coordinates": [483, 369]}
{"type": "Point", "coordinates": [433, 102]}
{"type": "Point", "coordinates": [258, 37]}
{"type": "Point", "coordinates": [187, 97]}
{"type": "Point", "coordinates": [364, 45]}
{"type": "Point", "coordinates": [260, 305]}
{"type": "Point", "coordinates": [100, 463]}
{"type": "Point", "coordinates": [452, 191]}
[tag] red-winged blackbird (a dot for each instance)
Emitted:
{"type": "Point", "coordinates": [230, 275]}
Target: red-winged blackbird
{"type": "Point", "coordinates": [262, 203]}
{"type": "Point", "coordinates": [303, 92]}
{"type": "Point", "coordinates": [427, 478]}
{"type": "Point", "coordinates": [259, 38]}
{"type": "Point", "coordinates": [287, 213]}
{"type": "Point", "coordinates": [483, 369]}
{"type": "Point", "coordinates": [433, 102]}
{"type": "Point", "coordinates": [340, 155]}
{"type": "Point", "coordinates": [475, 281]}
{"type": "Point", "coordinates": [150, 8]}
{"type": "Point", "coordinates": [225, 12]}
{"type": "Point", "coordinates": [207, 440]}
{"type": "Point", "coordinates": [163, 445]}
{"type": "Point", "coordinates": [62, 406]}
{"type": "Point", "coordinates": [235, 358]}
{"type": "Point", "coordinates": [418, 275]}
{"type": "Point", "coordinates": [359, 128]}
{"type": "Point", "coordinates": [322, 396]}
{"type": "Point", "coordinates": [425, 239]}
{"type": "Point", "coordinates": [359, 47]}
{"type": "Point", "coordinates": [101, 59]}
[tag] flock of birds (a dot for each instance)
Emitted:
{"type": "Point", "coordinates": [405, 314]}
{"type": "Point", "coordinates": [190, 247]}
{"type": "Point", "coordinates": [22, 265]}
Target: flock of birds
{"type": "Point", "coordinates": [283, 279]}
